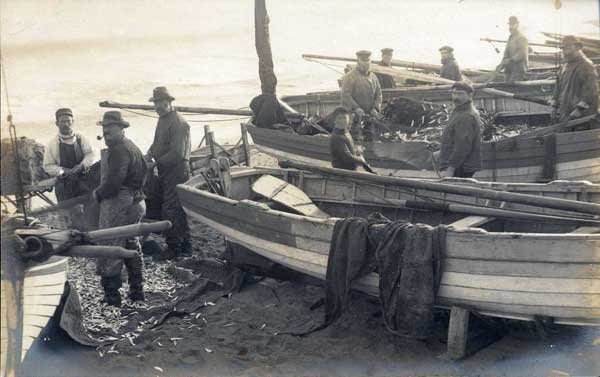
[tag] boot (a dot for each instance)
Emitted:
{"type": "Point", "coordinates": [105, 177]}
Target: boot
{"type": "Point", "coordinates": [135, 269]}
{"type": "Point", "coordinates": [111, 287]}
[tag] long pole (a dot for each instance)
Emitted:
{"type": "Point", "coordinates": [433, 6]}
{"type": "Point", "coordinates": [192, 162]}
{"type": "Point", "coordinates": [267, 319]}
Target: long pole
{"type": "Point", "coordinates": [540, 201]}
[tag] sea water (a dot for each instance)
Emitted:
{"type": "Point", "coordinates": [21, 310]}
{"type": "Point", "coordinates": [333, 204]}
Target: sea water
{"type": "Point", "coordinates": [76, 53]}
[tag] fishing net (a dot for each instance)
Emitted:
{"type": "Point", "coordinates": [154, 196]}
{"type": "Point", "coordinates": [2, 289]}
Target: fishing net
{"type": "Point", "coordinates": [30, 164]}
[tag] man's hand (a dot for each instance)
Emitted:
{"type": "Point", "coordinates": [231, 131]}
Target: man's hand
{"type": "Point", "coordinates": [359, 112]}
{"type": "Point", "coordinates": [359, 150]}
{"type": "Point", "coordinates": [575, 113]}
{"type": "Point", "coordinates": [77, 169]}
{"type": "Point", "coordinates": [65, 172]}
{"type": "Point", "coordinates": [375, 114]}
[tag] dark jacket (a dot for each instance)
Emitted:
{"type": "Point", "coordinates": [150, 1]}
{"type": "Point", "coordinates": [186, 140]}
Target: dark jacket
{"type": "Point", "coordinates": [342, 150]}
{"type": "Point", "coordinates": [125, 168]}
{"type": "Point", "coordinates": [171, 143]}
{"type": "Point", "coordinates": [516, 57]}
{"type": "Point", "coordinates": [385, 81]}
{"type": "Point", "coordinates": [577, 86]}
{"type": "Point", "coordinates": [461, 140]}
{"type": "Point", "coordinates": [450, 70]}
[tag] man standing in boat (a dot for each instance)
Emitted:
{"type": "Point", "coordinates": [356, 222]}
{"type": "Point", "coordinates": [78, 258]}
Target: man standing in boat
{"type": "Point", "coordinates": [450, 69]}
{"type": "Point", "coordinates": [341, 145]}
{"type": "Point", "coordinates": [121, 203]}
{"type": "Point", "coordinates": [576, 93]}
{"type": "Point", "coordinates": [361, 94]}
{"type": "Point", "coordinates": [515, 60]}
{"type": "Point", "coordinates": [170, 151]}
{"type": "Point", "coordinates": [68, 154]}
{"type": "Point", "coordinates": [460, 154]}
{"type": "Point", "coordinates": [386, 81]}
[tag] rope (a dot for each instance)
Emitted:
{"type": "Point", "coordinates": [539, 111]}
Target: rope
{"type": "Point", "coordinates": [15, 145]}
{"type": "Point", "coordinates": [327, 65]}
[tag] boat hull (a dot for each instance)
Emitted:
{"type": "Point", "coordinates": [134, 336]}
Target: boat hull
{"type": "Point", "coordinates": [513, 275]}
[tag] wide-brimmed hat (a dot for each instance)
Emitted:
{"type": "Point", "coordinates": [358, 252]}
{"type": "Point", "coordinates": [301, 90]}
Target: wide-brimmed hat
{"type": "Point", "coordinates": [113, 117]}
{"type": "Point", "coordinates": [160, 93]}
{"type": "Point", "coordinates": [63, 111]}
{"type": "Point", "coordinates": [570, 40]}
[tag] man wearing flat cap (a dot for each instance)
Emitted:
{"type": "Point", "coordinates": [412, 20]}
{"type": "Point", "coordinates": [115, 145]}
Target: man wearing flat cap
{"type": "Point", "coordinates": [576, 93]}
{"type": "Point", "coordinates": [361, 95]}
{"type": "Point", "coordinates": [386, 81]}
{"type": "Point", "coordinates": [121, 203]}
{"type": "Point", "coordinates": [170, 151]}
{"type": "Point", "coordinates": [341, 145]}
{"type": "Point", "coordinates": [460, 154]}
{"type": "Point", "coordinates": [68, 154]}
{"type": "Point", "coordinates": [449, 70]}
{"type": "Point", "coordinates": [515, 60]}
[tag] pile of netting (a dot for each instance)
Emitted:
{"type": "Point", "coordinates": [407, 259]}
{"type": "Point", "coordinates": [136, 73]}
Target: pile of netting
{"type": "Point", "coordinates": [30, 164]}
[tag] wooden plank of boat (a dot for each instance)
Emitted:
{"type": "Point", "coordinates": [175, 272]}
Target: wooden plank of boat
{"type": "Point", "coordinates": [288, 195]}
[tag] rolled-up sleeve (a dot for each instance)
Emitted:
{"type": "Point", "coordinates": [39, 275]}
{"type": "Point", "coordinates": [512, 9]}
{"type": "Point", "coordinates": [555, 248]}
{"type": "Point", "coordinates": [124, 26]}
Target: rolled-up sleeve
{"type": "Point", "coordinates": [88, 153]}
{"type": "Point", "coordinates": [52, 159]}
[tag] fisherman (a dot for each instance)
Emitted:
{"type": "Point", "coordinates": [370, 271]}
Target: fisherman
{"type": "Point", "coordinates": [386, 81]}
{"type": "Point", "coordinates": [576, 93]}
{"type": "Point", "coordinates": [341, 145]}
{"type": "Point", "coordinates": [68, 154]}
{"type": "Point", "coordinates": [121, 203]}
{"type": "Point", "coordinates": [361, 94]}
{"type": "Point", "coordinates": [450, 69]}
{"type": "Point", "coordinates": [516, 54]}
{"type": "Point", "coordinates": [170, 152]}
{"type": "Point", "coordinates": [460, 154]}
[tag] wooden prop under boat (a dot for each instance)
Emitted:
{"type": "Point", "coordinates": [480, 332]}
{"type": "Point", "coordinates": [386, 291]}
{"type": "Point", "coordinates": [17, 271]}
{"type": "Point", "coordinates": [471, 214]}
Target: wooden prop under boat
{"type": "Point", "coordinates": [504, 268]}
{"type": "Point", "coordinates": [576, 155]}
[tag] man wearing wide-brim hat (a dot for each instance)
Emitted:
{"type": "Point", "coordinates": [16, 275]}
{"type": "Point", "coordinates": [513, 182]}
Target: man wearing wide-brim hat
{"type": "Point", "coordinates": [121, 203]}
{"type": "Point", "coordinates": [450, 69]}
{"type": "Point", "coordinates": [576, 93]}
{"type": "Point", "coordinates": [170, 152]}
{"type": "Point", "coordinates": [361, 95]}
{"type": "Point", "coordinates": [515, 60]}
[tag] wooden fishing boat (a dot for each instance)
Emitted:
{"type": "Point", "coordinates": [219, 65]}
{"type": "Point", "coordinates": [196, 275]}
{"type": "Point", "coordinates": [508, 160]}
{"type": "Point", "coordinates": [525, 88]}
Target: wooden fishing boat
{"type": "Point", "coordinates": [505, 267]}
{"type": "Point", "coordinates": [576, 155]}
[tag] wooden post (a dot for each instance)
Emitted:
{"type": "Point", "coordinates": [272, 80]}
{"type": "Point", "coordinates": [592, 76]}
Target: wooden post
{"type": "Point", "coordinates": [458, 330]}
{"type": "Point", "coordinates": [246, 145]}
{"type": "Point", "coordinates": [210, 140]}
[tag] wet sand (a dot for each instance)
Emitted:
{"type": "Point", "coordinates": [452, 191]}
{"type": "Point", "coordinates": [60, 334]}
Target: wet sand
{"type": "Point", "coordinates": [247, 334]}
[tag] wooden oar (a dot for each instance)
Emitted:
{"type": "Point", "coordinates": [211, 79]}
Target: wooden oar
{"type": "Point", "coordinates": [532, 200]}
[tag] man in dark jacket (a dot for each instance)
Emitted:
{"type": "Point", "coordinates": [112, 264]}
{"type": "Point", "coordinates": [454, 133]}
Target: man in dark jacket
{"type": "Point", "coordinates": [171, 153]}
{"type": "Point", "coordinates": [341, 145]}
{"type": "Point", "coordinates": [515, 60]}
{"type": "Point", "coordinates": [460, 155]}
{"type": "Point", "coordinates": [450, 69]}
{"type": "Point", "coordinates": [576, 94]}
{"type": "Point", "coordinates": [121, 203]}
{"type": "Point", "coordinates": [386, 81]}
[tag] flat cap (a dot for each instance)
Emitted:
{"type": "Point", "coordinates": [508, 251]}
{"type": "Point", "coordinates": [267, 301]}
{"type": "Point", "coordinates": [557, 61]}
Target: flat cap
{"type": "Point", "coordinates": [570, 40]}
{"type": "Point", "coordinates": [513, 20]}
{"type": "Point", "coordinates": [463, 85]}
{"type": "Point", "coordinates": [446, 48]}
{"type": "Point", "coordinates": [363, 54]}
{"type": "Point", "coordinates": [113, 117]}
{"type": "Point", "coordinates": [63, 111]}
{"type": "Point", "coordinates": [339, 110]}
{"type": "Point", "coordinates": [387, 51]}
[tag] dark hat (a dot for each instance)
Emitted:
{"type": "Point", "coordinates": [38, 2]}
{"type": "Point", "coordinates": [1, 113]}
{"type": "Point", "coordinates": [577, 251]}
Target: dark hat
{"type": "Point", "coordinates": [513, 20]}
{"type": "Point", "coordinates": [463, 85]}
{"type": "Point", "coordinates": [363, 54]}
{"type": "Point", "coordinates": [387, 51]}
{"type": "Point", "coordinates": [446, 48]}
{"type": "Point", "coordinates": [113, 117]}
{"type": "Point", "coordinates": [569, 40]}
{"type": "Point", "coordinates": [63, 111]}
{"type": "Point", "coordinates": [161, 92]}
